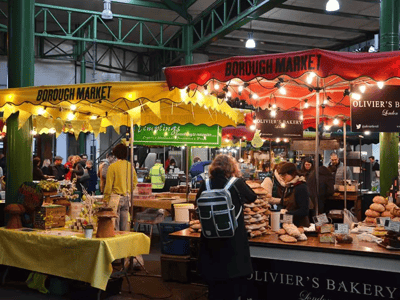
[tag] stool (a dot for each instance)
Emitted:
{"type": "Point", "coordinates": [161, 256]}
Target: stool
{"type": "Point", "coordinates": [149, 217]}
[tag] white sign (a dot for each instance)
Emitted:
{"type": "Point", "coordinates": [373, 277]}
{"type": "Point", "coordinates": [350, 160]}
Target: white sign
{"type": "Point", "coordinates": [341, 228]}
{"type": "Point", "coordinates": [287, 218]}
{"type": "Point", "coordinates": [392, 226]}
{"type": "Point", "coordinates": [321, 219]}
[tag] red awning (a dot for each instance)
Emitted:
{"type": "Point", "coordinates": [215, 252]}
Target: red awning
{"type": "Point", "coordinates": [288, 80]}
{"type": "Point", "coordinates": [237, 133]}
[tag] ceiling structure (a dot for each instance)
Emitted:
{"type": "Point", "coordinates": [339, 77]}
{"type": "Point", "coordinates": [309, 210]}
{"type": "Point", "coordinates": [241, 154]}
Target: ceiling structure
{"type": "Point", "coordinates": [161, 32]}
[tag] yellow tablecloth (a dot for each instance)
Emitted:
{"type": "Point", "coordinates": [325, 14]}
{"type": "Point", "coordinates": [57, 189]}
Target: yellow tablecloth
{"type": "Point", "coordinates": [87, 260]}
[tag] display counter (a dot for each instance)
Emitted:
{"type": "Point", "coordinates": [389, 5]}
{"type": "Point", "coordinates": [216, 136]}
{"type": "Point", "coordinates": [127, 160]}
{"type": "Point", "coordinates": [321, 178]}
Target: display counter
{"type": "Point", "coordinates": [312, 270]}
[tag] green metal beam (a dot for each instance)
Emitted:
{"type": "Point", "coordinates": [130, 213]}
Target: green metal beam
{"type": "Point", "coordinates": [226, 16]}
{"type": "Point", "coordinates": [324, 12]}
{"type": "Point", "coordinates": [178, 9]}
{"type": "Point", "coordinates": [148, 4]}
{"type": "Point", "coordinates": [301, 36]}
{"type": "Point", "coordinates": [319, 26]}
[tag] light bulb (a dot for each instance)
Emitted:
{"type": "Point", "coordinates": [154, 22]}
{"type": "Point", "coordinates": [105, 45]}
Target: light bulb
{"type": "Point", "coordinates": [206, 92]}
{"type": "Point", "coordinates": [336, 121]}
{"type": "Point", "coordinates": [229, 94]}
{"type": "Point", "coordinates": [327, 127]}
{"type": "Point", "coordinates": [285, 140]}
{"type": "Point", "coordinates": [71, 116]}
{"type": "Point", "coordinates": [332, 5]}
{"type": "Point", "coordinates": [273, 113]}
{"type": "Point", "coordinates": [73, 107]}
{"type": "Point", "coordinates": [282, 90]}
{"type": "Point", "coordinates": [41, 111]}
{"type": "Point", "coordinates": [253, 127]}
{"type": "Point", "coordinates": [363, 88]}
{"type": "Point", "coordinates": [216, 86]}
{"type": "Point", "coordinates": [255, 96]}
{"type": "Point", "coordinates": [325, 101]}
{"type": "Point", "coordinates": [380, 84]}
{"type": "Point", "coordinates": [301, 117]}
{"type": "Point", "coordinates": [278, 140]}
{"type": "Point", "coordinates": [155, 132]}
{"type": "Point", "coordinates": [273, 106]}
{"type": "Point", "coordinates": [367, 132]}
{"type": "Point", "coordinates": [283, 125]}
{"type": "Point", "coordinates": [240, 88]}
{"type": "Point", "coordinates": [310, 77]}
{"type": "Point", "coordinates": [107, 13]}
{"type": "Point", "coordinates": [93, 117]}
{"type": "Point", "coordinates": [355, 96]}
{"type": "Point", "coordinates": [250, 43]}
{"type": "Point", "coordinates": [306, 105]}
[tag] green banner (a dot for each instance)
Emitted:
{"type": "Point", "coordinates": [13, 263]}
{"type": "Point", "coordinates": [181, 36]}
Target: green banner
{"type": "Point", "coordinates": [178, 135]}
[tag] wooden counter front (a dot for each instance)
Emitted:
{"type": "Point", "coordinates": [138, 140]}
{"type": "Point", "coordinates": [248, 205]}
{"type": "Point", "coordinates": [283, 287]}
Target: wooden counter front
{"type": "Point", "coordinates": [157, 203]}
{"type": "Point", "coordinates": [312, 244]}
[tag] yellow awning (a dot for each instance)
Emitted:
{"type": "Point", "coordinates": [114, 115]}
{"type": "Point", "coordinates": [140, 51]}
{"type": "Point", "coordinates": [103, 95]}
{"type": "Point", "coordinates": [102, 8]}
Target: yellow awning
{"type": "Point", "coordinates": [99, 105]}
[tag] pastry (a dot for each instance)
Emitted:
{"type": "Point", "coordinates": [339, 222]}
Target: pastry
{"type": "Point", "coordinates": [281, 231]}
{"type": "Point", "coordinates": [302, 237]}
{"type": "Point", "coordinates": [326, 228]}
{"type": "Point", "coordinates": [390, 205]}
{"type": "Point", "coordinates": [377, 207]}
{"type": "Point", "coordinates": [387, 214]}
{"type": "Point", "coordinates": [291, 230]}
{"type": "Point", "coordinates": [287, 238]}
{"type": "Point", "coordinates": [372, 213]}
{"type": "Point", "coordinates": [395, 211]}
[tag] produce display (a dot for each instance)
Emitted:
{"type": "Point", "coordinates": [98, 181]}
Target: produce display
{"type": "Point", "coordinates": [49, 185]}
{"type": "Point", "coordinates": [381, 208]}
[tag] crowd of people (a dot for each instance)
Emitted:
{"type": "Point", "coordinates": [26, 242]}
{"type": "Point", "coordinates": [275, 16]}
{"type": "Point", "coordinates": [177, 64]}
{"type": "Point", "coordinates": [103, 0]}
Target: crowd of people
{"type": "Point", "coordinates": [77, 168]}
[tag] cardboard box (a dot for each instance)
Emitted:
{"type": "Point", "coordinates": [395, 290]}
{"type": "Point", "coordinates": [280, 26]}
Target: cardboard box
{"type": "Point", "coordinates": [51, 216]}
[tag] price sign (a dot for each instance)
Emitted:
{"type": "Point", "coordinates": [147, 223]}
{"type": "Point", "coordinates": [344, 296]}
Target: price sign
{"type": "Point", "coordinates": [321, 219]}
{"type": "Point", "coordinates": [287, 218]}
{"type": "Point", "coordinates": [341, 228]}
{"type": "Point", "coordinates": [392, 226]}
{"type": "Point", "coordinates": [381, 221]}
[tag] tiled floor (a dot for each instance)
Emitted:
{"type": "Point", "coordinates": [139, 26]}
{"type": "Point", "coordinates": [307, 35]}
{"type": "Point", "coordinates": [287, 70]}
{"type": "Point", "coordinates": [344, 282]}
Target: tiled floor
{"type": "Point", "coordinates": [143, 285]}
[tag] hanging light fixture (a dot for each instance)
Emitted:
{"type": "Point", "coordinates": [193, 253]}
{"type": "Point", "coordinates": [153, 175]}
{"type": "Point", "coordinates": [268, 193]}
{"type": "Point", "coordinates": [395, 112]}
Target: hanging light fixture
{"type": "Point", "coordinates": [107, 13]}
{"type": "Point", "coordinates": [250, 43]}
{"type": "Point", "coordinates": [332, 5]}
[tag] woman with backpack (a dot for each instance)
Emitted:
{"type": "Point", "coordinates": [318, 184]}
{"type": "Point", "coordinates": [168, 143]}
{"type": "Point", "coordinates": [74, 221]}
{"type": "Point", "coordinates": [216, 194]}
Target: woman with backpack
{"type": "Point", "coordinates": [224, 262]}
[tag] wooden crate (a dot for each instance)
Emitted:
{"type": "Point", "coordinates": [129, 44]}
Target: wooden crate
{"type": "Point", "coordinates": [52, 216]}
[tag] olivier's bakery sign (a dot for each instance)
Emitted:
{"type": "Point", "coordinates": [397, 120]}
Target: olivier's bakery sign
{"type": "Point", "coordinates": [272, 279]}
{"type": "Point", "coordinates": [284, 124]}
{"type": "Point", "coordinates": [377, 110]}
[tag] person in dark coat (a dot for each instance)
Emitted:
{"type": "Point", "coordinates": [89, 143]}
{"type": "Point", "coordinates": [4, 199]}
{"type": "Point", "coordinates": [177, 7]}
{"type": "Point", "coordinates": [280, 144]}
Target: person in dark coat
{"type": "Point", "coordinates": [77, 171]}
{"type": "Point", "coordinates": [225, 263]}
{"type": "Point", "coordinates": [307, 167]}
{"type": "Point", "coordinates": [37, 172]}
{"type": "Point", "coordinates": [57, 169]}
{"type": "Point", "coordinates": [92, 182]}
{"type": "Point", "coordinates": [326, 188]}
{"type": "Point", "coordinates": [295, 199]}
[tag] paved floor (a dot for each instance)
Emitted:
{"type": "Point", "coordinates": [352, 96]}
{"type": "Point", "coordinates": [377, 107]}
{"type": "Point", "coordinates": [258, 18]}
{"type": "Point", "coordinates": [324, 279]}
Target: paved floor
{"type": "Point", "coordinates": [143, 285]}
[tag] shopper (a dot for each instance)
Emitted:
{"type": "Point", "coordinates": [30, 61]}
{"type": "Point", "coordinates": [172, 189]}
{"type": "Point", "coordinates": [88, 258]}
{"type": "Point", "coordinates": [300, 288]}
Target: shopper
{"type": "Point", "coordinates": [337, 169]}
{"type": "Point", "coordinates": [224, 263]}
{"type": "Point", "coordinates": [77, 171]}
{"type": "Point", "coordinates": [57, 169]}
{"type": "Point", "coordinates": [157, 176]}
{"type": "Point", "coordinates": [295, 199]}
{"type": "Point", "coordinates": [92, 181]}
{"type": "Point", "coordinates": [307, 167]}
{"type": "Point", "coordinates": [68, 166]}
{"type": "Point", "coordinates": [374, 167]}
{"type": "Point", "coordinates": [118, 183]}
{"type": "Point", "coordinates": [37, 172]}
{"type": "Point", "coordinates": [325, 189]}
{"type": "Point", "coordinates": [46, 167]}
{"type": "Point", "coordinates": [103, 168]}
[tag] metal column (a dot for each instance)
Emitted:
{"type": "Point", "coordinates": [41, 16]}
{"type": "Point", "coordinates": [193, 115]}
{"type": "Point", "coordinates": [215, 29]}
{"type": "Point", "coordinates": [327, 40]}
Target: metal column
{"type": "Point", "coordinates": [21, 64]}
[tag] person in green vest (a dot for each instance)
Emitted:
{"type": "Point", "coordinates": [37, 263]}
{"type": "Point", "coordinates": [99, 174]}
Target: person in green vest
{"type": "Point", "coordinates": [157, 175]}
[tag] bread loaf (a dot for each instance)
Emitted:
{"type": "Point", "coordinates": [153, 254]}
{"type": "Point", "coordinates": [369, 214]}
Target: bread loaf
{"type": "Point", "coordinates": [287, 238]}
{"type": "Point", "coordinates": [377, 207]}
{"type": "Point", "coordinates": [387, 214]}
{"type": "Point", "coordinates": [390, 205]}
{"type": "Point", "coordinates": [344, 239]}
{"type": "Point", "coordinates": [395, 211]}
{"type": "Point", "coordinates": [370, 220]}
{"type": "Point", "coordinates": [281, 231]}
{"type": "Point", "coordinates": [372, 213]}
{"type": "Point", "coordinates": [327, 238]}
{"type": "Point", "coordinates": [291, 230]}
{"type": "Point", "coordinates": [379, 200]}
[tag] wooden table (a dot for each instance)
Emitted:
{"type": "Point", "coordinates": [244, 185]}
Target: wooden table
{"type": "Point", "coordinates": [313, 270]}
{"type": "Point", "coordinates": [157, 203]}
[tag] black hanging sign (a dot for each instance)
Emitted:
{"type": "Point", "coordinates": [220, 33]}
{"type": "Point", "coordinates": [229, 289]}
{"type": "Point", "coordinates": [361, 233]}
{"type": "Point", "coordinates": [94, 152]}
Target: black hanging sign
{"type": "Point", "coordinates": [377, 110]}
{"type": "Point", "coordinates": [285, 124]}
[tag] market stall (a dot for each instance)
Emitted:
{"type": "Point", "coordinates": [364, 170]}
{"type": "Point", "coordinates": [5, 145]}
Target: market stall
{"type": "Point", "coordinates": [319, 84]}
